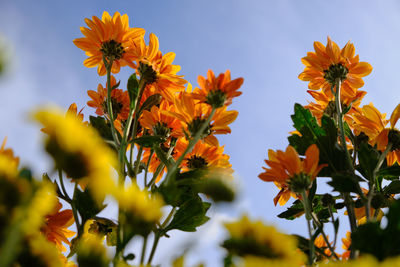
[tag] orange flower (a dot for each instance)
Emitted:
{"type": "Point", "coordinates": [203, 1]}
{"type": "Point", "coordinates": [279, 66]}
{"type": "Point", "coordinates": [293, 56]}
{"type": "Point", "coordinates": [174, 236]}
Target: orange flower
{"type": "Point", "coordinates": [193, 114]}
{"type": "Point", "coordinates": [108, 37]}
{"type": "Point", "coordinates": [56, 227]}
{"type": "Point", "coordinates": [285, 166]}
{"type": "Point", "coordinates": [373, 123]}
{"type": "Point", "coordinates": [284, 194]}
{"type": "Point", "coordinates": [321, 64]}
{"type": "Point", "coordinates": [8, 152]}
{"type": "Point", "coordinates": [119, 101]}
{"type": "Point", "coordinates": [205, 156]}
{"type": "Point", "coordinates": [217, 91]}
{"type": "Point", "coordinates": [156, 68]}
{"type": "Point", "coordinates": [159, 123]}
{"type": "Point", "coordinates": [319, 242]}
{"type": "Point", "coordinates": [325, 104]}
{"type": "Point", "coordinates": [346, 246]}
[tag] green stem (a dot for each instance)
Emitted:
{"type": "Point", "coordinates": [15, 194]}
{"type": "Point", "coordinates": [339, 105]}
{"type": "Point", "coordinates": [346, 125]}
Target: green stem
{"type": "Point", "coordinates": [190, 146]}
{"type": "Point", "coordinates": [143, 250]}
{"type": "Point", "coordinates": [75, 212]}
{"type": "Point", "coordinates": [67, 198]}
{"type": "Point", "coordinates": [158, 234]}
{"type": "Point", "coordinates": [320, 225]}
{"type": "Point", "coordinates": [108, 66]}
{"type": "Point", "coordinates": [147, 166]}
{"type": "Point", "coordinates": [308, 218]}
{"type": "Point", "coordinates": [137, 162]}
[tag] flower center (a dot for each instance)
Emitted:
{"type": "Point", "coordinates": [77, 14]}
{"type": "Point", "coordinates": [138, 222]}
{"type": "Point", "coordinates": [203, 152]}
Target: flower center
{"type": "Point", "coordinates": [73, 163]}
{"type": "Point", "coordinates": [195, 125]}
{"type": "Point", "coordinates": [299, 182]}
{"type": "Point", "coordinates": [216, 98]}
{"type": "Point", "coordinates": [394, 138]}
{"type": "Point", "coordinates": [112, 50]}
{"type": "Point", "coordinates": [335, 72]}
{"type": "Point", "coordinates": [161, 129]}
{"type": "Point", "coordinates": [196, 162]}
{"type": "Point", "coordinates": [148, 73]}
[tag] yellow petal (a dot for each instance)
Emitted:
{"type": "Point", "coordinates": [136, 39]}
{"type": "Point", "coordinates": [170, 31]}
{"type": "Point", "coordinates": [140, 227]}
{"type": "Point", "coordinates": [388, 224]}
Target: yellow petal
{"type": "Point", "coordinates": [395, 116]}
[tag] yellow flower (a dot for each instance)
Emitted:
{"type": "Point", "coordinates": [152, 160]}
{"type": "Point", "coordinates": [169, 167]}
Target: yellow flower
{"type": "Point", "coordinates": [42, 203]}
{"type": "Point", "coordinates": [79, 151]}
{"type": "Point", "coordinates": [108, 37]}
{"type": "Point", "coordinates": [9, 153]}
{"type": "Point", "coordinates": [254, 239]}
{"type": "Point", "coordinates": [141, 210]}
{"type": "Point", "coordinates": [91, 252]}
{"type": "Point", "coordinates": [323, 64]}
{"type": "Point", "coordinates": [42, 252]}
{"type": "Point", "coordinates": [8, 166]}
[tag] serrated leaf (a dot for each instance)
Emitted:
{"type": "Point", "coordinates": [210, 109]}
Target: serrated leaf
{"type": "Point", "coordinates": [390, 173]}
{"type": "Point", "coordinates": [148, 140]}
{"type": "Point", "coordinates": [343, 183]}
{"type": "Point", "coordinates": [293, 211]}
{"type": "Point", "coordinates": [190, 215]}
{"type": "Point", "coordinates": [368, 158]}
{"type": "Point", "coordinates": [392, 188]}
{"type": "Point", "coordinates": [86, 205]}
{"type": "Point", "coordinates": [133, 90]}
{"type": "Point", "coordinates": [150, 102]}
{"type": "Point", "coordinates": [102, 127]}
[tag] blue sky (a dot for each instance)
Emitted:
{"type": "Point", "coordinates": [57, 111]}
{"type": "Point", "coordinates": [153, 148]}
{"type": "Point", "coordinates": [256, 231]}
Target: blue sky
{"type": "Point", "coordinates": [262, 41]}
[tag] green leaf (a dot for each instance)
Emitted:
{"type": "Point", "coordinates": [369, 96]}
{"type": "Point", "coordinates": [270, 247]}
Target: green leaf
{"type": "Point", "coordinates": [392, 188]}
{"type": "Point", "coordinates": [133, 89]}
{"type": "Point", "coordinates": [190, 215]}
{"type": "Point", "coordinates": [163, 156]}
{"type": "Point", "coordinates": [150, 102]}
{"type": "Point", "coordinates": [293, 211]}
{"type": "Point", "coordinates": [26, 174]}
{"type": "Point", "coordinates": [343, 183]}
{"type": "Point", "coordinates": [390, 173]}
{"type": "Point", "coordinates": [86, 205]}
{"type": "Point", "coordinates": [102, 127]}
{"type": "Point", "coordinates": [148, 140]}
{"type": "Point", "coordinates": [368, 158]}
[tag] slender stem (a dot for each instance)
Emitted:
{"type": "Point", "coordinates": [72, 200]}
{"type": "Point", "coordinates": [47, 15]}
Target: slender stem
{"type": "Point", "coordinates": [108, 66]}
{"type": "Point", "coordinates": [75, 213]}
{"type": "Point", "coordinates": [62, 186]}
{"type": "Point", "coordinates": [190, 146]}
{"type": "Point", "coordinates": [308, 218]}
{"type": "Point", "coordinates": [143, 250]}
{"type": "Point", "coordinates": [160, 167]}
{"type": "Point", "coordinates": [147, 166]}
{"type": "Point", "coordinates": [320, 225]}
{"type": "Point", "coordinates": [380, 162]}
{"type": "Point", "coordinates": [137, 162]}
{"type": "Point", "coordinates": [333, 222]}
{"type": "Point", "coordinates": [158, 234]}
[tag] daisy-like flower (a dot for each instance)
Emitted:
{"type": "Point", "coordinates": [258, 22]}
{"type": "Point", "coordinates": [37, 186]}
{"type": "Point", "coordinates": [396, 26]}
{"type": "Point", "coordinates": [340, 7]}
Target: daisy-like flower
{"type": "Point", "coordinates": [9, 153]}
{"type": "Point", "coordinates": [373, 123]}
{"type": "Point", "coordinates": [109, 38]}
{"type": "Point", "coordinates": [346, 246]}
{"type": "Point", "coordinates": [319, 242]}
{"type": "Point", "coordinates": [325, 104]}
{"type": "Point", "coordinates": [73, 112]}
{"type": "Point", "coordinates": [79, 151]}
{"type": "Point", "coordinates": [288, 169]}
{"type": "Point", "coordinates": [56, 227]}
{"type": "Point", "coordinates": [119, 101]}
{"type": "Point", "coordinates": [157, 69]}
{"type": "Point", "coordinates": [329, 63]}
{"type": "Point", "coordinates": [257, 242]}
{"type": "Point", "coordinates": [284, 194]}
{"type": "Point", "coordinates": [217, 91]}
{"type": "Point", "coordinates": [193, 114]}
{"type": "Point", "coordinates": [205, 156]}
{"type": "Point", "coordinates": [160, 124]}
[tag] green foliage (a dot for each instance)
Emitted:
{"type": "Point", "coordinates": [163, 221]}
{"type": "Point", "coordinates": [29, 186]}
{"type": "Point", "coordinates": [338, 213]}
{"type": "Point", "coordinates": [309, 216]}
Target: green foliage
{"type": "Point", "coordinates": [324, 136]}
{"type": "Point", "coordinates": [344, 183]}
{"type": "Point", "coordinates": [150, 102]}
{"type": "Point", "coordinates": [86, 205]}
{"type": "Point", "coordinates": [148, 140]}
{"type": "Point", "coordinates": [133, 89]}
{"type": "Point", "coordinates": [380, 242]}
{"type": "Point", "coordinates": [390, 173]}
{"type": "Point", "coordinates": [190, 215]}
{"type": "Point", "coordinates": [368, 158]}
{"type": "Point", "coordinates": [102, 127]}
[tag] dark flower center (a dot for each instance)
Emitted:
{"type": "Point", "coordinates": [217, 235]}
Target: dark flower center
{"type": "Point", "coordinates": [112, 50]}
{"type": "Point", "coordinates": [216, 98]}
{"type": "Point", "coordinates": [148, 73]}
{"type": "Point", "coordinates": [335, 72]}
{"type": "Point", "coordinates": [195, 126]}
{"type": "Point", "coordinates": [196, 162]}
